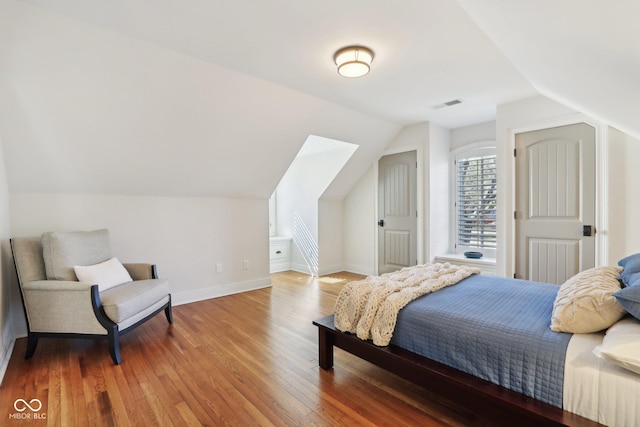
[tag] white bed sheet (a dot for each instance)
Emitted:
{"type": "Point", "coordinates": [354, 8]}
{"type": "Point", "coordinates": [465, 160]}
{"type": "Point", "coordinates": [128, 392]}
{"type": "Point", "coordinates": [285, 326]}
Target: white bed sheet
{"type": "Point", "coordinates": [597, 389]}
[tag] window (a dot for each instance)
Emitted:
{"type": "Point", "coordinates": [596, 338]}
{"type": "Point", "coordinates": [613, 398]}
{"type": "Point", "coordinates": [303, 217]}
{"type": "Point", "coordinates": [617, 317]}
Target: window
{"type": "Point", "coordinates": [475, 200]}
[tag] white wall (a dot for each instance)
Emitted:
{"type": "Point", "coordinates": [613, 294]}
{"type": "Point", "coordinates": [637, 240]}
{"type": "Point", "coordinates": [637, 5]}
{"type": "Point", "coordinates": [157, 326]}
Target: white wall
{"type": "Point", "coordinates": [298, 191]}
{"type": "Point", "coordinates": [623, 195]}
{"type": "Point", "coordinates": [473, 133]}
{"type": "Point", "coordinates": [88, 110]}
{"type": "Point", "coordinates": [185, 237]}
{"type": "Point", "coordinates": [439, 194]}
{"type": "Point", "coordinates": [302, 185]}
{"type": "Point", "coordinates": [9, 297]}
{"type": "Point", "coordinates": [359, 219]}
{"type": "Point", "coordinates": [330, 236]}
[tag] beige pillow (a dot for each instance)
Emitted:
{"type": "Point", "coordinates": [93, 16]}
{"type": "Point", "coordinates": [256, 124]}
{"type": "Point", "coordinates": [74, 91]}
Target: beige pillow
{"type": "Point", "coordinates": [621, 345]}
{"type": "Point", "coordinates": [64, 250]}
{"type": "Point", "coordinates": [585, 302]}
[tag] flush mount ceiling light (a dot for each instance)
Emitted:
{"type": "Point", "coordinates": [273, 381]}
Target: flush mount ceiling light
{"type": "Point", "coordinates": [353, 61]}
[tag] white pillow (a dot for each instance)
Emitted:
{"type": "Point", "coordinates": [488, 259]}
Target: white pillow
{"type": "Point", "coordinates": [585, 303]}
{"type": "Point", "coordinates": [621, 345]}
{"type": "Point", "coordinates": [106, 275]}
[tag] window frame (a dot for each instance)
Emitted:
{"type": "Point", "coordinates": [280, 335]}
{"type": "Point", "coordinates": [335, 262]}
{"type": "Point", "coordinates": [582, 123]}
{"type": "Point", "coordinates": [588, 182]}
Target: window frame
{"type": "Point", "coordinates": [483, 148]}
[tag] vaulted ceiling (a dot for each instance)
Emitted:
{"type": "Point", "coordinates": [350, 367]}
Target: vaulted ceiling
{"type": "Point", "coordinates": [215, 98]}
{"type": "Point", "coordinates": [582, 53]}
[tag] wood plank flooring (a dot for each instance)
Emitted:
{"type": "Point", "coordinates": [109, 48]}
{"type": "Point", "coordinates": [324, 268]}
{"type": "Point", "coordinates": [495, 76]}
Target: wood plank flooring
{"type": "Point", "coordinates": [242, 360]}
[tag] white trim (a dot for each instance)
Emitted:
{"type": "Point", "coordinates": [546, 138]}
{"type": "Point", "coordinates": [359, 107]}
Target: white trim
{"type": "Point", "coordinates": [453, 181]}
{"type": "Point", "coordinates": [602, 195]}
{"type": "Point", "coordinates": [7, 349]}
{"type": "Point", "coordinates": [219, 291]}
{"type": "Point", "coordinates": [486, 265]}
{"type": "Point", "coordinates": [300, 268]}
{"type": "Point", "coordinates": [489, 143]}
{"type": "Point", "coordinates": [20, 330]}
{"type": "Point", "coordinates": [278, 266]}
{"type": "Point", "coordinates": [602, 212]}
{"type": "Point", "coordinates": [330, 269]}
{"type": "Point", "coordinates": [359, 269]}
{"type": "Point", "coordinates": [6, 357]}
{"type": "Point", "coordinates": [423, 215]}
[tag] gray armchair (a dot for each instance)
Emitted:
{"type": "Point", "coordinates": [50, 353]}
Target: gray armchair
{"type": "Point", "coordinates": [56, 304]}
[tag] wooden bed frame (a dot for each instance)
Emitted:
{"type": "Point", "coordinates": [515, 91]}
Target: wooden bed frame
{"type": "Point", "coordinates": [475, 394]}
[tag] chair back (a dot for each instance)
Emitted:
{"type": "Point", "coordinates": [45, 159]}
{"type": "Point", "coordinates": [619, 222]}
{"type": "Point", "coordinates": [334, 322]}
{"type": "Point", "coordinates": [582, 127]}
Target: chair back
{"type": "Point", "coordinates": [27, 255]}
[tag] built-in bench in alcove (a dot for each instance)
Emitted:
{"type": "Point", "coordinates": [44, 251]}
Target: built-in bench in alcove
{"type": "Point", "coordinates": [279, 253]}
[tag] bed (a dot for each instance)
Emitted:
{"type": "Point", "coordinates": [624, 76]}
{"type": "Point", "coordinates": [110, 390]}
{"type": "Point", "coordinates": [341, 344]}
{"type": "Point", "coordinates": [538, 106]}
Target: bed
{"type": "Point", "coordinates": [487, 341]}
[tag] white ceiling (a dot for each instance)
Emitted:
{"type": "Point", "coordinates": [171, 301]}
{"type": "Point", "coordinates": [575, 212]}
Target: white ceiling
{"type": "Point", "coordinates": [582, 53]}
{"type": "Point", "coordinates": [214, 97]}
{"type": "Point", "coordinates": [426, 51]}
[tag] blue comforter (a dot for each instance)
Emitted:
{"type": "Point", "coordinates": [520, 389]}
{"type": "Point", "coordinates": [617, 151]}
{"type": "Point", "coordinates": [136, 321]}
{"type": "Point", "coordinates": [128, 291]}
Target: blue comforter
{"type": "Point", "coordinates": [493, 328]}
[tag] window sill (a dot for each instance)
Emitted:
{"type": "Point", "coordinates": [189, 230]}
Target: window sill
{"type": "Point", "coordinates": [486, 264]}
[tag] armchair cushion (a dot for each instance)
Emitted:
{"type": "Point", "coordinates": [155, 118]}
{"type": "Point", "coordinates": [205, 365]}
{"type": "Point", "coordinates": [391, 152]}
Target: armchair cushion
{"type": "Point", "coordinates": [105, 274]}
{"type": "Point", "coordinates": [64, 250]}
{"type": "Point", "coordinates": [128, 299]}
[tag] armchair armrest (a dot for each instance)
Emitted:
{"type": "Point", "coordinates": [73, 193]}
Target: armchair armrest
{"type": "Point", "coordinates": [141, 271]}
{"type": "Point", "coordinates": [57, 286]}
{"type": "Point", "coordinates": [60, 306]}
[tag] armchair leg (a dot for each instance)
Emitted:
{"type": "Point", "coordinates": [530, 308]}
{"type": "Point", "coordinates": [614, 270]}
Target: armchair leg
{"type": "Point", "coordinates": [169, 313]}
{"type": "Point", "coordinates": [32, 343]}
{"type": "Point", "coordinates": [114, 345]}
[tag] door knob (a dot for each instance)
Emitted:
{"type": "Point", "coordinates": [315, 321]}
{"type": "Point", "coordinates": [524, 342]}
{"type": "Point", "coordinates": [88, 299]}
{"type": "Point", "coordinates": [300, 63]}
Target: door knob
{"type": "Point", "coordinates": [588, 230]}
{"type": "Point", "coordinates": [381, 223]}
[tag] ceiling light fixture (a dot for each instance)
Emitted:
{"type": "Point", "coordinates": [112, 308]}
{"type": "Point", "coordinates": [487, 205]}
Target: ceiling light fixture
{"type": "Point", "coordinates": [353, 61]}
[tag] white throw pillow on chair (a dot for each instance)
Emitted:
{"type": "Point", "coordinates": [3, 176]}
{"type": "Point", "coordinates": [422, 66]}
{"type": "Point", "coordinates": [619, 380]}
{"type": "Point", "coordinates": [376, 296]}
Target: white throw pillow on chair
{"type": "Point", "coordinates": [106, 274]}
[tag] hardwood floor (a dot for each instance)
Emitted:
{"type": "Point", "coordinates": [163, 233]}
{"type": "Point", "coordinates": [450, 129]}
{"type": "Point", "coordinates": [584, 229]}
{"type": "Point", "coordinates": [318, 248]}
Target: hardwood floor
{"type": "Point", "coordinates": [241, 360]}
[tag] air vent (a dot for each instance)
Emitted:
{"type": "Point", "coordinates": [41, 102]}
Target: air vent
{"type": "Point", "coordinates": [447, 104]}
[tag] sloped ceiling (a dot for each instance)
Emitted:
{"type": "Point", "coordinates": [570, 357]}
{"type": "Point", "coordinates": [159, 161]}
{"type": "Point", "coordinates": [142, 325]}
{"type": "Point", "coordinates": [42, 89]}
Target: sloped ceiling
{"type": "Point", "coordinates": [582, 53]}
{"type": "Point", "coordinates": [426, 51]}
{"type": "Point", "coordinates": [214, 97]}
{"type": "Point", "coordinates": [88, 110]}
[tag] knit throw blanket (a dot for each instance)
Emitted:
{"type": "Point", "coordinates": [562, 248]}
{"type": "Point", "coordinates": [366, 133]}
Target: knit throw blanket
{"type": "Point", "coordinates": [369, 307]}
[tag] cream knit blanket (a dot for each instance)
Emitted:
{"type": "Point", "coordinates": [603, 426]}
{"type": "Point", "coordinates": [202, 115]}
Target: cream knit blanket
{"type": "Point", "coordinates": [369, 307]}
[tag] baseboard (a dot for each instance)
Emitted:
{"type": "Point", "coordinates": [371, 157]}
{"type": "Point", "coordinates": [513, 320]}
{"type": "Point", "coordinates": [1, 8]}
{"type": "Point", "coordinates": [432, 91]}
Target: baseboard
{"type": "Point", "coordinates": [278, 266]}
{"type": "Point", "coordinates": [359, 269]}
{"type": "Point", "coordinates": [349, 268]}
{"type": "Point", "coordinates": [300, 268]}
{"type": "Point", "coordinates": [20, 329]}
{"type": "Point", "coordinates": [7, 347]}
{"type": "Point", "coordinates": [330, 269]}
{"type": "Point", "coordinates": [218, 291]}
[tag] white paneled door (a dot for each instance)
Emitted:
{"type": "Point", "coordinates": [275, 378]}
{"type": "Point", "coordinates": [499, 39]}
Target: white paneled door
{"type": "Point", "coordinates": [397, 210]}
{"type": "Point", "coordinates": [555, 203]}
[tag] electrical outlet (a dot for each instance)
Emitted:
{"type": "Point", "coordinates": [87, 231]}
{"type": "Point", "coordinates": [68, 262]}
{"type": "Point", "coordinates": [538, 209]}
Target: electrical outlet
{"type": "Point", "coordinates": [245, 264]}
{"type": "Point", "coordinates": [219, 268]}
